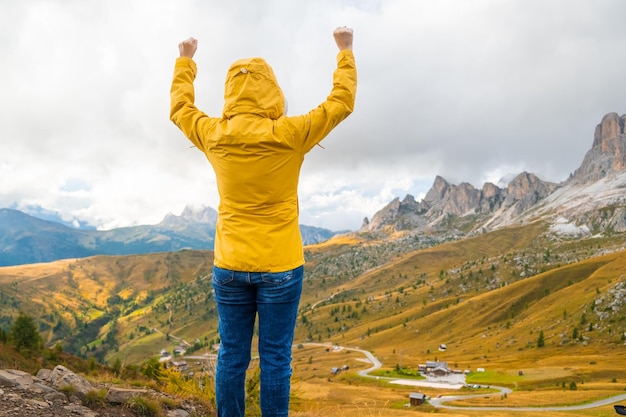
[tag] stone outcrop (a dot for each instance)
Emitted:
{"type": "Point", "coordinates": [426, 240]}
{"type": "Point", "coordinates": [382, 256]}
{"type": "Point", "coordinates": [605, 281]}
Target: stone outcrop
{"type": "Point", "coordinates": [399, 215]}
{"type": "Point", "coordinates": [62, 393]}
{"type": "Point", "coordinates": [525, 190]}
{"type": "Point", "coordinates": [608, 153]}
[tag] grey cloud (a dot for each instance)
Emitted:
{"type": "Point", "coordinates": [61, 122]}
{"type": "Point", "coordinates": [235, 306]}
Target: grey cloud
{"type": "Point", "coordinates": [466, 90]}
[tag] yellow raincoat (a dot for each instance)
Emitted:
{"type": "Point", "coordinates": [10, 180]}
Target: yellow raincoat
{"type": "Point", "coordinates": [256, 152]}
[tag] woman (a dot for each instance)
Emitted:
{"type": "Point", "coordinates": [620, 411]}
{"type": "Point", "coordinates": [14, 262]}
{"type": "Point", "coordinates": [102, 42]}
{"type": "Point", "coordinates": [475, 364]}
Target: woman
{"type": "Point", "coordinates": [256, 151]}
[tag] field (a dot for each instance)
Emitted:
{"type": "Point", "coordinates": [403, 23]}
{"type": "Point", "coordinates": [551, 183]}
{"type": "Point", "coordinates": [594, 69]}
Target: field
{"type": "Point", "coordinates": [321, 394]}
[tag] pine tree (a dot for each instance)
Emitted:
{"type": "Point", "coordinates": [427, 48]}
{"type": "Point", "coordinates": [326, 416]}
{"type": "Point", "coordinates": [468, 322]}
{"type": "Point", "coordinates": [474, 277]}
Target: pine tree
{"type": "Point", "coordinates": [540, 341]}
{"type": "Point", "coordinates": [24, 334]}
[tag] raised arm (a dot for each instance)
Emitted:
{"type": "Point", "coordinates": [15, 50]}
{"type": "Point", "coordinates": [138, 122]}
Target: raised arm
{"type": "Point", "coordinates": [183, 112]}
{"type": "Point", "coordinates": [340, 103]}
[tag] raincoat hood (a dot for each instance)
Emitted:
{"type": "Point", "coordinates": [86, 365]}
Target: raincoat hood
{"type": "Point", "coordinates": [251, 87]}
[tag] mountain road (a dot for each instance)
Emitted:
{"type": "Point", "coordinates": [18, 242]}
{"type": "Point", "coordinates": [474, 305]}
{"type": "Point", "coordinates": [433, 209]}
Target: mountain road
{"type": "Point", "coordinates": [440, 402]}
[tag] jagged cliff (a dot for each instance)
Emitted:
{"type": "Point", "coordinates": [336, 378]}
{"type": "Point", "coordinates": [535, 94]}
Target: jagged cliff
{"type": "Point", "coordinates": [607, 156]}
{"type": "Point", "coordinates": [591, 198]}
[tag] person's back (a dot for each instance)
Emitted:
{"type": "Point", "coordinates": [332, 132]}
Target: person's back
{"type": "Point", "coordinates": [256, 152]}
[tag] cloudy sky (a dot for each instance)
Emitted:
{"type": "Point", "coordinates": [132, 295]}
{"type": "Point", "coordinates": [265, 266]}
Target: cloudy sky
{"type": "Point", "coordinates": [472, 90]}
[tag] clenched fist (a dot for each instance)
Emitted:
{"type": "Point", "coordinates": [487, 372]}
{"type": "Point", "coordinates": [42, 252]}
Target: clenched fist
{"type": "Point", "coordinates": [343, 37]}
{"type": "Point", "coordinates": [188, 47]}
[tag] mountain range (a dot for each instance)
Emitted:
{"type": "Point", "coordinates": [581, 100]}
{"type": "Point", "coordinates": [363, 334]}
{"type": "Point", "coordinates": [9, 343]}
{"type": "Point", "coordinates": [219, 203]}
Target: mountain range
{"type": "Point", "coordinates": [25, 239]}
{"type": "Point", "coordinates": [589, 202]}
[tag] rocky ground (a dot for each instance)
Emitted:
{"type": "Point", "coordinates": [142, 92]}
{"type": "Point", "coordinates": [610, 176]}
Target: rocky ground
{"type": "Point", "coordinates": [61, 393]}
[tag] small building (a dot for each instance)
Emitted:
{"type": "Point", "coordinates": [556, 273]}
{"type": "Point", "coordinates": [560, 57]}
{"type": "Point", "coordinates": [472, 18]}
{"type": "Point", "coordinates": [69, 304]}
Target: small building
{"type": "Point", "coordinates": [439, 371]}
{"type": "Point", "coordinates": [434, 368]}
{"type": "Point", "coordinates": [416, 398]}
{"type": "Point", "coordinates": [180, 366]}
{"type": "Point", "coordinates": [180, 350]}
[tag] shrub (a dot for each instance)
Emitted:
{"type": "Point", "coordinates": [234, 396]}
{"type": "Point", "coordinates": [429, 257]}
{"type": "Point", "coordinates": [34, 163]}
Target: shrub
{"type": "Point", "coordinates": [144, 407]}
{"type": "Point", "coordinates": [68, 390]}
{"type": "Point", "coordinates": [95, 398]}
{"type": "Point", "coordinates": [169, 403]}
{"type": "Point", "coordinates": [152, 368]}
{"type": "Point", "coordinates": [175, 383]}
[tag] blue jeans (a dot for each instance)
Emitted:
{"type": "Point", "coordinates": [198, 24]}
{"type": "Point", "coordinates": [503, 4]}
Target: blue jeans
{"type": "Point", "coordinates": [240, 296]}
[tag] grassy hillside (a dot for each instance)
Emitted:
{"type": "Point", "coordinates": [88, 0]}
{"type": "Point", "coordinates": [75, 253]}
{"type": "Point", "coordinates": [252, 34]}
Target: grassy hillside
{"type": "Point", "coordinates": [517, 299]}
{"type": "Point", "coordinates": [484, 297]}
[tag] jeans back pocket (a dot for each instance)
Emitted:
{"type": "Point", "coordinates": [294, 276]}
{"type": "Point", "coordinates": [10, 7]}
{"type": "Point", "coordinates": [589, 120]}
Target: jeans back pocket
{"type": "Point", "coordinates": [222, 276]}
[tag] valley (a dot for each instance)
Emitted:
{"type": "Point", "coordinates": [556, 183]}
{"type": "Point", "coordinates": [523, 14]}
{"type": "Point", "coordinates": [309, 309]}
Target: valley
{"type": "Point", "coordinates": [489, 299]}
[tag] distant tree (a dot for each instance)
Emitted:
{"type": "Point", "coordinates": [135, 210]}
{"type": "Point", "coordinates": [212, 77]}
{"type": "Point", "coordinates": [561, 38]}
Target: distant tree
{"type": "Point", "coordinates": [117, 366]}
{"type": "Point", "coordinates": [24, 334]}
{"type": "Point", "coordinates": [92, 364]}
{"type": "Point", "coordinates": [575, 333]}
{"type": "Point", "coordinates": [540, 341]}
{"type": "Point", "coordinates": [4, 336]}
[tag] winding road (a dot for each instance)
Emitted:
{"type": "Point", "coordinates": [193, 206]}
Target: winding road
{"type": "Point", "coordinates": [440, 402]}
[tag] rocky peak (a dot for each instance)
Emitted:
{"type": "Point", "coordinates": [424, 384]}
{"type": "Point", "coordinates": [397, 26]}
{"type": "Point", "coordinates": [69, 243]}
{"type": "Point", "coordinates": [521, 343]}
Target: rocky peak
{"type": "Point", "coordinates": [202, 214]}
{"type": "Point", "coordinates": [611, 126]}
{"type": "Point", "coordinates": [437, 191]}
{"type": "Point", "coordinates": [461, 199]}
{"type": "Point", "coordinates": [608, 153]}
{"type": "Point", "coordinates": [490, 190]}
{"type": "Point", "coordinates": [386, 215]}
{"type": "Point", "coordinates": [400, 215]}
{"type": "Point", "coordinates": [525, 190]}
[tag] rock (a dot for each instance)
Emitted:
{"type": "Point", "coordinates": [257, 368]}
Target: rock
{"type": "Point", "coordinates": [611, 126]}
{"type": "Point", "coordinates": [80, 410]}
{"type": "Point", "coordinates": [44, 374]}
{"type": "Point", "coordinates": [437, 191]}
{"type": "Point", "coordinates": [61, 377]}
{"type": "Point", "coordinates": [525, 191]}
{"type": "Point", "coordinates": [177, 413]}
{"type": "Point", "coordinates": [14, 378]}
{"type": "Point", "coordinates": [42, 388]}
{"type": "Point", "coordinates": [608, 153]}
{"type": "Point", "coordinates": [365, 223]}
{"type": "Point", "coordinates": [121, 395]}
{"type": "Point", "coordinates": [23, 395]}
{"type": "Point", "coordinates": [38, 403]}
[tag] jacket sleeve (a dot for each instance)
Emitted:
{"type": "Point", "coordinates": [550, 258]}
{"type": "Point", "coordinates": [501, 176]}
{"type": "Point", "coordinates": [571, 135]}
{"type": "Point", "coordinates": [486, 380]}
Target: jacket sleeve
{"type": "Point", "coordinates": [183, 112]}
{"type": "Point", "coordinates": [338, 105]}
